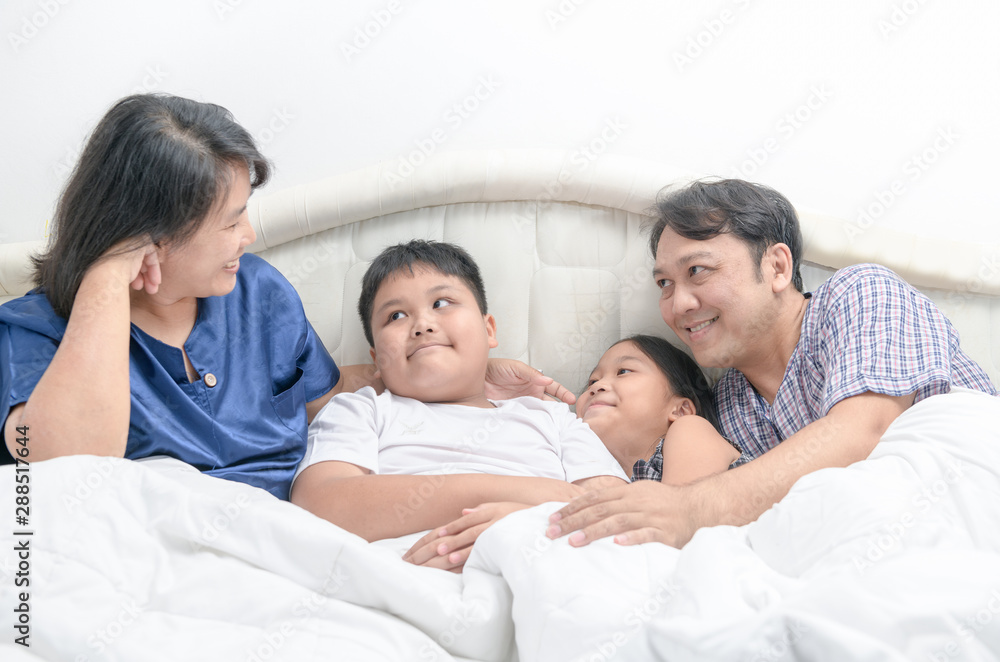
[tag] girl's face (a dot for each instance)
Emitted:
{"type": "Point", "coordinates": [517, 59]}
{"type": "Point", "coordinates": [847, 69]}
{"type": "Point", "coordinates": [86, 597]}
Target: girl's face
{"type": "Point", "coordinates": [628, 402]}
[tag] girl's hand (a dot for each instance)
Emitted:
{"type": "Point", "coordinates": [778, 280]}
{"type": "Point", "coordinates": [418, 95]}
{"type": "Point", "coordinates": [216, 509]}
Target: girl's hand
{"type": "Point", "coordinates": [448, 547]}
{"type": "Point", "coordinates": [507, 378]}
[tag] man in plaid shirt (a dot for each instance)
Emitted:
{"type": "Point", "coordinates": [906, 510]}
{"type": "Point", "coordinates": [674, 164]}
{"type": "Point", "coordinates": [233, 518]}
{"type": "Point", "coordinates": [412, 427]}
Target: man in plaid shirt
{"type": "Point", "coordinates": [814, 378]}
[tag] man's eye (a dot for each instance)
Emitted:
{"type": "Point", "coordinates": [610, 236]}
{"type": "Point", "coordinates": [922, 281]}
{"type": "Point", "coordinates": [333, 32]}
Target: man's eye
{"type": "Point", "coordinates": [661, 283]}
{"type": "Point", "coordinates": [696, 270]}
{"type": "Point", "coordinates": [398, 315]}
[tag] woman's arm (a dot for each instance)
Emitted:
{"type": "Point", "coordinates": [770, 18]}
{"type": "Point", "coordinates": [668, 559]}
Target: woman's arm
{"type": "Point", "coordinates": [81, 404]}
{"type": "Point", "coordinates": [505, 378]}
{"type": "Point", "coordinates": [693, 449]}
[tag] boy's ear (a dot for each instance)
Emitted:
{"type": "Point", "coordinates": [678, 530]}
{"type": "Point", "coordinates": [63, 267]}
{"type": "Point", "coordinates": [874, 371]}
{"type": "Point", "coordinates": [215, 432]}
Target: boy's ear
{"type": "Point", "coordinates": [491, 330]}
{"type": "Point", "coordinates": [371, 351]}
{"type": "Point", "coordinates": [679, 407]}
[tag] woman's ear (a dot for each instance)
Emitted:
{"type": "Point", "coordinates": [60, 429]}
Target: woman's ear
{"type": "Point", "coordinates": [678, 407]}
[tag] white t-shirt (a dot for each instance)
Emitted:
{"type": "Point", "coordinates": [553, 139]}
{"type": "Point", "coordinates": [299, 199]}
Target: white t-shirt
{"type": "Point", "coordinates": [390, 434]}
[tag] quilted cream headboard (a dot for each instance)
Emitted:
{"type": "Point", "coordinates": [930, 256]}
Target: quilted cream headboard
{"type": "Point", "coordinates": [561, 244]}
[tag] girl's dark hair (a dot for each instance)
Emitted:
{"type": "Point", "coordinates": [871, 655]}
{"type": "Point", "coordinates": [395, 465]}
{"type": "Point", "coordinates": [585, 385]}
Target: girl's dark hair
{"type": "Point", "coordinates": [757, 215]}
{"type": "Point", "coordinates": [151, 171]}
{"type": "Point", "coordinates": [449, 259]}
{"type": "Point", "coordinates": [684, 376]}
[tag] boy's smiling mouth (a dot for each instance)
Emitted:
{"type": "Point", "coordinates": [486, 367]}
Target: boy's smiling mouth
{"type": "Point", "coordinates": [426, 345]}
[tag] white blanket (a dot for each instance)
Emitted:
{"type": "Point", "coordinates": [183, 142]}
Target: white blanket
{"type": "Point", "coordinates": [894, 558]}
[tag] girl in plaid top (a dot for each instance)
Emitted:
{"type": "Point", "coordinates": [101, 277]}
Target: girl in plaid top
{"type": "Point", "coordinates": [645, 393]}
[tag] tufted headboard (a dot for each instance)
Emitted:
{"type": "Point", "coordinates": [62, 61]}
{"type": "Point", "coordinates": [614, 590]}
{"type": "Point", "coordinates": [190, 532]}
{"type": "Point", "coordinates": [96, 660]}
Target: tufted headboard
{"type": "Point", "coordinates": [560, 240]}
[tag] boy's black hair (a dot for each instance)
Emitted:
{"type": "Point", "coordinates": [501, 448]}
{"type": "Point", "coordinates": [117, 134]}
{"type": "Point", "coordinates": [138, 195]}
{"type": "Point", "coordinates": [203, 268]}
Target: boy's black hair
{"type": "Point", "coordinates": [446, 258]}
{"type": "Point", "coordinates": [684, 376]}
{"type": "Point", "coordinates": [757, 215]}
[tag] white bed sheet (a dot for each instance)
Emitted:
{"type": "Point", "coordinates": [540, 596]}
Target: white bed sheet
{"type": "Point", "coordinates": [894, 558]}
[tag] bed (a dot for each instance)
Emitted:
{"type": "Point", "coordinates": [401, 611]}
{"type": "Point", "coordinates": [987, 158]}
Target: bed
{"type": "Point", "coordinates": [894, 558]}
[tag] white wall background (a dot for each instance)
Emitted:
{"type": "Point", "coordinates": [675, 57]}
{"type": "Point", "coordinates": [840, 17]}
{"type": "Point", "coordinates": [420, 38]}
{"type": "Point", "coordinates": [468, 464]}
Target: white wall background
{"type": "Point", "coordinates": [889, 107]}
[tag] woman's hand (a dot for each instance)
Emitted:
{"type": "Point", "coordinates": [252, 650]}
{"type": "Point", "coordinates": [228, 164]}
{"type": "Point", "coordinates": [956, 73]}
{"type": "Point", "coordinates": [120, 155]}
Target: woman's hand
{"type": "Point", "coordinates": [136, 261]}
{"type": "Point", "coordinates": [448, 547]}
{"type": "Point", "coordinates": [645, 511]}
{"type": "Point", "coordinates": [144, 267]}
{"type": "Point", "coordinates": [507, 378]}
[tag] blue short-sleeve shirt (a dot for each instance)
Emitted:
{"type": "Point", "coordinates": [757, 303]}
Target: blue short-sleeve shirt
{"type": "Point", "coordinates": [264, 358]}
{"type": "Point", "coordinates": [865, 329]}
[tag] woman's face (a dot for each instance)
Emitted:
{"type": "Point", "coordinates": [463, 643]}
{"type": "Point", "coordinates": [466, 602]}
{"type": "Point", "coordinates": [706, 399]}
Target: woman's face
{"type": "Point", "coordinates": [628, 403]}
{"type": "Point", "coordinates": [206, 265]}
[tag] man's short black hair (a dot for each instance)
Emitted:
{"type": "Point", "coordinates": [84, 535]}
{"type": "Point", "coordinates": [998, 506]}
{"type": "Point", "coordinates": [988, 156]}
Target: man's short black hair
{"type": "Point", "coordinates": [757, 215]}
{"type": "Point", "coordinates": [446, 258]}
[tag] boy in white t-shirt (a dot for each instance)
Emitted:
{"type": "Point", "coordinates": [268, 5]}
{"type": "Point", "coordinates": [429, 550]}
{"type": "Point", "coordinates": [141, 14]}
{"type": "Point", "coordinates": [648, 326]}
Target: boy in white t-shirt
{"type": "Point", "coordinates": [431, 444]}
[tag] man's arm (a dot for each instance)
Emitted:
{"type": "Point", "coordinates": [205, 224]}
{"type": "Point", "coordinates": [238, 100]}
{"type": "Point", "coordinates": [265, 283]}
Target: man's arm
{"type": "Point", "coordinates": [649, 511]}
{"type": "Point", "coordinates": [388, 506]}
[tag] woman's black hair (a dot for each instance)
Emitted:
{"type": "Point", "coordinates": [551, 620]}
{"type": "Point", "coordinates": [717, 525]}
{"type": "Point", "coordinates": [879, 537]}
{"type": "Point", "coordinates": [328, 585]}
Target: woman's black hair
{"type": "Point", "coordinates": [151, 171]}
{"type": "Point", "coordinates": [686, 379]}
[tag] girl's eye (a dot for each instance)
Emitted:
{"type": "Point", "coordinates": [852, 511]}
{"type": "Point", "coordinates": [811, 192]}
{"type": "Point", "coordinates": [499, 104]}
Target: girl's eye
{"type": "Point", "coordinates": [440, 303]}
{"type": "Point", "coordinates": [398, 315]}
{"type": "Point", "coordinates": [591, 382]}
{"type": "Point", "coordinates": [623, 371]}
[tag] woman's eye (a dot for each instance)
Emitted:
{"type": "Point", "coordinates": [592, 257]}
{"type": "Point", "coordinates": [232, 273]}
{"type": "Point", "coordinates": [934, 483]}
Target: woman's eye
{"type": "Point", "coordinates": [440, 303]}
{"type": "Point", "coordinates": [398, 315]}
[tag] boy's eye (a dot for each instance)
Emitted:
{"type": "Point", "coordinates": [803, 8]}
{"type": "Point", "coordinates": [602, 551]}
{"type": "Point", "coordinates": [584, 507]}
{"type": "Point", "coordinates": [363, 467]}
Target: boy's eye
{"type": "Point", "coordinates": [623, 371]}
{"type": "Point", "coordinates": [398, 315]}
{"type": "Point", "coordinates": [440, 303]}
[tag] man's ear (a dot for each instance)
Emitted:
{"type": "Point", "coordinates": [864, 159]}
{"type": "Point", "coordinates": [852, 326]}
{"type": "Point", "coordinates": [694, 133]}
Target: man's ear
{"type": "Point", "coordinates": [778, 267]}
{"type": "Point", "coordinates": [679, 407]}
{"type": "Point", "coordinates": [491, 330]}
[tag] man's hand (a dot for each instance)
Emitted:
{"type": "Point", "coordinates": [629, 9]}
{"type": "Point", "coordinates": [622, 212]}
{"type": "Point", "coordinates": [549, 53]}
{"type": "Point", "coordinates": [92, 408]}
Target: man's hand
{"type": "Point", "coordinates": [645, 511]}
{"type": "Point", "coordinates": [507, 378]}
{"type": "Point", "coordinates": [649, 511]}
{"type": "Point", "coordinates": [449, 546]}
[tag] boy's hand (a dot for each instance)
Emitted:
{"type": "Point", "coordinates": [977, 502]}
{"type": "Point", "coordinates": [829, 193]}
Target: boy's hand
{"type": "Point", "coordinates": [507, 378]}
{"type": "Point", "coordinates": [448, 547]}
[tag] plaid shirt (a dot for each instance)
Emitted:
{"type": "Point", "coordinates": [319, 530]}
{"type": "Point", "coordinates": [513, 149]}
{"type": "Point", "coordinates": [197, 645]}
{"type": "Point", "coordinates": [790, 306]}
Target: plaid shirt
{"type": "Point", "coordinates": [865, 329]}
{"type": "Point", "coordinates": [651, 469]}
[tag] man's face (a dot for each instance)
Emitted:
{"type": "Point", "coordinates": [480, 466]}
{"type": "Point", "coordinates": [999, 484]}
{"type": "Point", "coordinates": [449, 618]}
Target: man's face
{"type": "Point", "coordinates": [712, 296]}
{"type": "Point", "coordinates": [431, 340]}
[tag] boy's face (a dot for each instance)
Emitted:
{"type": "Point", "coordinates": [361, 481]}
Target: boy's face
{"type": "Point", "coordinates": [431, 341]}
